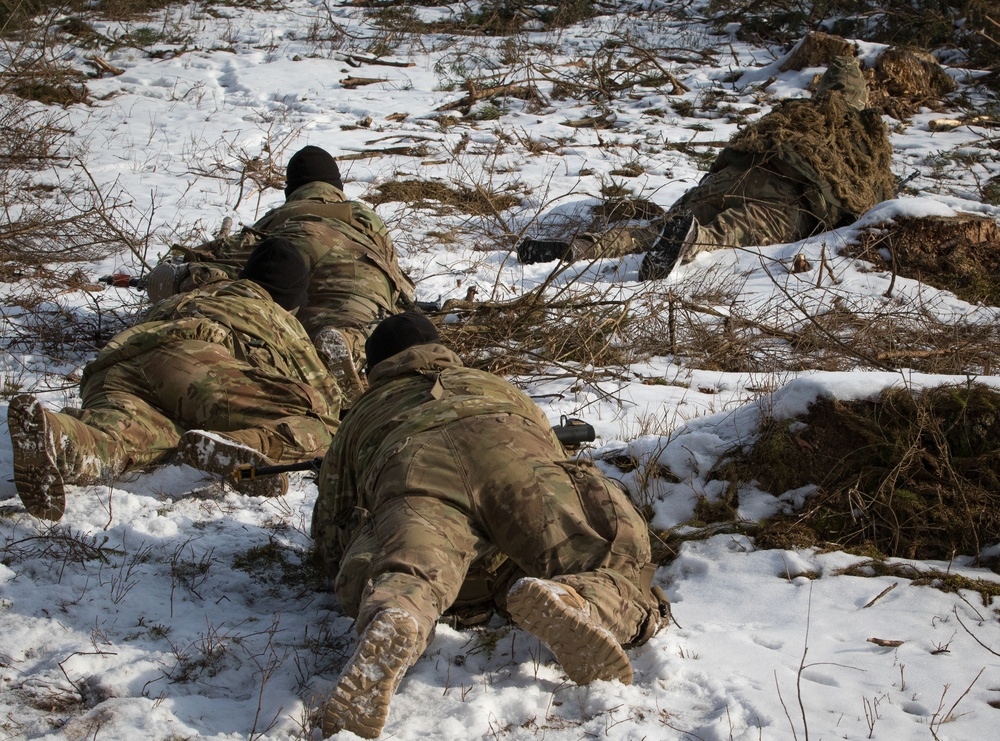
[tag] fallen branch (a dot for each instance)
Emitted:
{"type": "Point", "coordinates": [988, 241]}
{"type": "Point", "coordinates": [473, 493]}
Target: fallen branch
{"type": "Point", "coordinates": [103, 67]}
{"type": "Point", "coordinates": [885, 642]}
{"type": "Point", "coordinates": [354, 82]}
{"type": "Point", "coordinates": [356, 60]}
{"type": "Point", "coordinates": [879, 596]}
{"type": "Point", "coordinates": [475, 94]}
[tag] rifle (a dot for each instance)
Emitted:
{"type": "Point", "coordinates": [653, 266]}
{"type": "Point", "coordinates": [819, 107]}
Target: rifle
{"type": "Point", "coordinates": [900, 184]}
{"type": "Point", "coordinates": [570, 431]}
{"type": "Point", "coordinates": [123, 280]}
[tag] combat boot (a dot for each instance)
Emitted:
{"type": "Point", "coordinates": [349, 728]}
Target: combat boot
{"type": "Point", "coordinates": [335, 352]}
{"type": "Point", "coordinates": [37, 477]}
{"type": "Point", "coordinates": [557, 615]}
{"type": "Point", "coordinates": [674, 245]}
{"type": "Point", "coordinates": [52, 450]}
{"type": "Point", "coordinates": [389, 645]}
{"type": "Point", "coordinates": [544, 250]}
{"type": "Point", "coordinates": [224, 453]}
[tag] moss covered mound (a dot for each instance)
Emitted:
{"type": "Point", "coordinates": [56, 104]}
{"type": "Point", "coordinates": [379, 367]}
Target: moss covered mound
{"type": "Point", "coordinates": [907, 474]}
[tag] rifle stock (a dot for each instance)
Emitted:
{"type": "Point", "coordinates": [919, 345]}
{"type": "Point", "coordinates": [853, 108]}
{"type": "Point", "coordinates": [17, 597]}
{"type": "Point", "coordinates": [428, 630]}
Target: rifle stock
{"type": "Point", "coordinates": [570, 431]}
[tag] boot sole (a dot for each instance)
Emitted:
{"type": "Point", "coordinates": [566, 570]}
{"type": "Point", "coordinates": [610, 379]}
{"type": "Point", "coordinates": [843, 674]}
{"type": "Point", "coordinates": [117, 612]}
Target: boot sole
{"type": "Point", "coordinates": [339, 361]}
{"type": "Point", "coordinates": [215, 454]}
{"type": "Point", "coordinates": [36, 472]}
{"type": "Point", "coordinates": [586, 651]}
{"type": "Point", "coordinates": [360, 702]}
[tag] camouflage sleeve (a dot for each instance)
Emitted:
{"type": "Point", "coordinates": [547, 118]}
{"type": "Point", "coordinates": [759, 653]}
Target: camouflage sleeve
{"type": "Point", "coordinates": [370, 221]}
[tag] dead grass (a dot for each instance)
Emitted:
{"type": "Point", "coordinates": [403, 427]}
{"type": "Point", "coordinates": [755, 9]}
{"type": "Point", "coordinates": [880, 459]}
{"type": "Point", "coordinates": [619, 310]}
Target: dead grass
{"type": "Point", "coordinates": [923, 577]}
{"type": "Point", "coordinates": [584, 335]}
{"type": "Point", "coordinates": [908, 474]}
{"type": "Point", "coordinates": [444, 198]}
{"type": "Point", "coordinates": [49, 84]}
{"type": "Point", "coordinates": [491, 18]}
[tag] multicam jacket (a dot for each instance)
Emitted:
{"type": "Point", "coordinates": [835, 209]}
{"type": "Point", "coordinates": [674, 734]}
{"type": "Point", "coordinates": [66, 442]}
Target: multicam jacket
{"type": "Point", "coordinates": [335, 235]}
{"type": "Point", "coordinates": [414, 391]}
{"type": "Point", "coordinates": [346, 246]}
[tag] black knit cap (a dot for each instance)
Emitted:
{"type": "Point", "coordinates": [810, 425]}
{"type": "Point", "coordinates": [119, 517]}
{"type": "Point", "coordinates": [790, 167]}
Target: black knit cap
{"type": "Point", "coordinates": [396, 334]}
{"type": "Point", "coordinates": [278, 267]}
{"type": "Point", "coordinates": [309, 165]}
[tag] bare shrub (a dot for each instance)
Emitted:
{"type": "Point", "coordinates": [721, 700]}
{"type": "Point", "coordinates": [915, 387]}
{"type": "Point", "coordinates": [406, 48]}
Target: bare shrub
{"type": "Point", "coordinates": [53, 216]}
{"type": "Point", "coordinates": [254, 170]}
{"type": "Point", "coordinates": [584, 334]}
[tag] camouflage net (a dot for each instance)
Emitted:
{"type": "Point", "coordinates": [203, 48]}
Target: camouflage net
{"type": "Point", "coordinates": [844, 152]}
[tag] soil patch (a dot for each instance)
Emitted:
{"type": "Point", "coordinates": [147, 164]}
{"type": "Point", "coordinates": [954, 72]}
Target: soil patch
{"type": "Point", "coordinates": [961, 255]}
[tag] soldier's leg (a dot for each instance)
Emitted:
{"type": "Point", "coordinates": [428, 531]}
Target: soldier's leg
{"type": "Point", "coordinates": [593, 601]}
{"type": "Point", "coordinates": [199, 385]}
{"type": "Point", "coordinates": [596, 542]}
{"type": "Point", "coordinates": [752, 223]}
{"type": "Point", "coordinates": [758, 207]}
{"type": "Point", "coordinates": [114, 431]}
{"type": "Point", "coordinates": [555, 518]}
{"type": "Point", "coordinates": [224, 453]}
{"type": "Point", "coordinates": [531, 508]}
{"type": "Point", "coordinates": [347, 294]}
{"type": "Point", "coordinates": [120, 402]}
{"type": "Point", "coordinates": [424, 547]}
{"type": "Point", "coordinates": [616, 241]}
{"type": "Point", "coordinates": [52, 449]}
{"type": "Point", "coordinates": [420, 551]}
{"type": "Point", "coordinates": [338, 349]}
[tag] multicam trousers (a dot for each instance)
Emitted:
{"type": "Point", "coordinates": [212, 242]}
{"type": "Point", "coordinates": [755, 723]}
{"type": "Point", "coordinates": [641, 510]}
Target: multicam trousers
{"type": "Point", "coordinates": [147, 402]}
{"type": "Point", "coordinates": [445, 502]}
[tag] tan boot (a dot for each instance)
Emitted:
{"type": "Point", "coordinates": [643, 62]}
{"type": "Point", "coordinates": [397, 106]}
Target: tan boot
{"type": "Point", "coordinates": [37, 477]}
{"type": "Point", "coordinates": [389, 645]}
{"type": "Point", "coordinates": [561, 619]}
{"type": "Point", "coordinates": [335, 352]}
{"type": "Point", "coordinates": [51, 450]}
{"type": "Point", "coordinates": [222, 453]}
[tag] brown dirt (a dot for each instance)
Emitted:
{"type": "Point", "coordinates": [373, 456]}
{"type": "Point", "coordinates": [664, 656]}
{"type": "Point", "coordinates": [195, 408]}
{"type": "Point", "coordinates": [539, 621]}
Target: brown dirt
{"type": "Point", "coordinates": [961, 254]}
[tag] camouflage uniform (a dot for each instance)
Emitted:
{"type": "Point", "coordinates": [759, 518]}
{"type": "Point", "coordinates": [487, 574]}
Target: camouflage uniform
{"type": "Point", "coordinates": [355, 279]}
{"type": "Point", "coordinates": [224, 358]}
{"type": "Point", "coordinates": [440, 469]}
{"type": "Point", "coordinates": [806, 167]}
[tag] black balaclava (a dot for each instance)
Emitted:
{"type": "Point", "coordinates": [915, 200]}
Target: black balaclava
{"type": "Point", "coordinates": [309, 165]}
{"type": "Point", "coordinates": [278, 267]}
{"type": "Point", "coordinates": [397, 333]}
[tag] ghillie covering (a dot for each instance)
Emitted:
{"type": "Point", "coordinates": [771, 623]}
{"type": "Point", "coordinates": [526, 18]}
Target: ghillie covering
{"type": "Point", "coordinates": [842, 152]}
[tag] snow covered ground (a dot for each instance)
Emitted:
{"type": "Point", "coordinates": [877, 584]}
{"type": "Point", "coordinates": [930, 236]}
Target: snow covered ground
{"type": "Point", "coordinates": [168, 608]}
